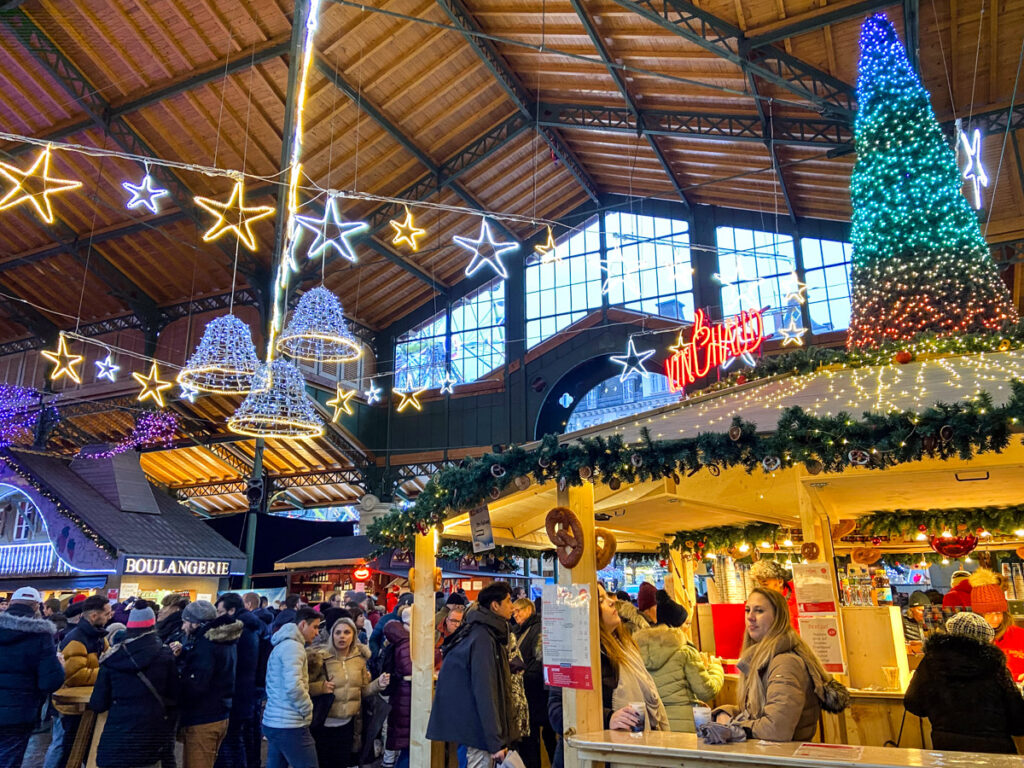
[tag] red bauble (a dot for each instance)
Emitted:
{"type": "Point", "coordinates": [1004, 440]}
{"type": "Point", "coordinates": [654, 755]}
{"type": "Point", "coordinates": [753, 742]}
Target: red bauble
{"type": "Point", "coordinates": [663, 563]}
{"type": "Point", "coordinates": [876, 540]}
{"type": "Point", "coordinates": [903, 357]}
{"type": "Point", "coordinates": [954, 546]}
{"type": "Point", "coordinates": [741, 379]}
{"type": "Point", "coordinates": [922, 527]}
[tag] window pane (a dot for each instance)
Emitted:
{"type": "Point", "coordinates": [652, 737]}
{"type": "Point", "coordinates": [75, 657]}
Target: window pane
{"type": "Point", "coordinates": [828, 283]}
{"type": "Point", "coordinates": [758, 271]}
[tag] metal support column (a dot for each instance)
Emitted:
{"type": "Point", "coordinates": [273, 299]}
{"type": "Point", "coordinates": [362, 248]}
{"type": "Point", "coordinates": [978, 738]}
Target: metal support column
{"type": "Point", "coordinates": [256, 506]}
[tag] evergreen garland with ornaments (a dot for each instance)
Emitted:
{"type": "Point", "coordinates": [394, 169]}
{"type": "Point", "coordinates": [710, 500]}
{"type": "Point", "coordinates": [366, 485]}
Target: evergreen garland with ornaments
{"type": "Point", "coordinates": [920, 262]}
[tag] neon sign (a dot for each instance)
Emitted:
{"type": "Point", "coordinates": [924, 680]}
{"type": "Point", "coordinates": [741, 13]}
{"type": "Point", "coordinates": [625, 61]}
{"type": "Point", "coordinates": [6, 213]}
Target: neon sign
{"type": "Point", "coordinates": [362, 573]}
{"type": "Point", "coordinates": [713, 345]}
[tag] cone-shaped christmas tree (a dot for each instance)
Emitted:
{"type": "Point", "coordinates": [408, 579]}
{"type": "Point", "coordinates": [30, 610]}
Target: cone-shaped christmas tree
{"type": "Point", "coordinates": [920, 262]}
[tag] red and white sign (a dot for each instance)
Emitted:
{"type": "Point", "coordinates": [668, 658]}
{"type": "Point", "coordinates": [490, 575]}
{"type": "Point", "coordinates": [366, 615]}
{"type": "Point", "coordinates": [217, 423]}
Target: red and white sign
{"type": "Point", "coordinates": [813, 586]}
{"type": "Point", "coordinates": [565, 637]}
{"type": "Point", "coordinates": [822, 634]}
{"type": "Point", "coordinates": [712, 345]}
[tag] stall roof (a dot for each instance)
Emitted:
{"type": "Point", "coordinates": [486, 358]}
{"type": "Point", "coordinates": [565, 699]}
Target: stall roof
{"type": "Point", "coordinates": [174, 531]}
{"type": "Point", "coordinates": [335, 550]}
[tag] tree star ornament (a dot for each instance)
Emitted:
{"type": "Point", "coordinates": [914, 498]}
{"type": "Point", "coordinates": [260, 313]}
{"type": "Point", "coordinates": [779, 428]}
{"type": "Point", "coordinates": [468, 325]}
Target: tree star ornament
{"type": "Point", "coordinates": [448, 384]}
{"type": "Point", "coordinates": [547, 251]}
{"type": "Point", "coordinates": [234, 216]}
{"type": "Point", "coordinates": [64, 361]}
{"type": "Point", "coordinates": [486, 250]}
{"type": "Point", "coordinates": [144, 194]}
{"type": "Point", "coordinates": [341, 403]}
{"type": "Point", "coordinates": [632, 361]}
{"type": "Point", "coordinates": [152, 385]}
{"type": "Point", "coordinates": [107, 368]}
{"type": "Point", "coordinates": [974, 171]}
{"type": "Point", "coordinates": [793, 333]}
{"type": "Point", "coordinates": [410, 395]}
{"type": "Point", "coordinates": [406, 231]}
{"type": "Point", "coordinates": [372, 394]}
{"type": "Point", "coordinates": [332, 231]}
{"type": "Point", "coordinates": [34, 186]}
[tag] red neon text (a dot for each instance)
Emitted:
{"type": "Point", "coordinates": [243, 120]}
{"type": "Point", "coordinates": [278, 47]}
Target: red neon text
{"type": "Point", "coordinates": [712, 345]}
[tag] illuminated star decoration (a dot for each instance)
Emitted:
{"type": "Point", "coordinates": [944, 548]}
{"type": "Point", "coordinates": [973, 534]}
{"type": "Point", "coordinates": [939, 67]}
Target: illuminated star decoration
{"type": "Point", "coordinates": [448, 384]}
{"type": "Point", "coordinates": [234, 216]}
{"type": "Point", "coordinates": [793, 333]}
{"type": "Point", "coordinates": [486, 250]}
{"type": "Point", "coordinates": [410, 395]}
{"type": "Point", "coordinates": [745, 355]}
{"type": "Point", "coordinates": [974, 172]}
{"type": "Point", "coordinates": [339, 230]}
{"type": "Point", "coordinates": [144, 193]}
{"type": "Point", "coordinates": [152, 385]}
{"type": "Point", "coordinates": [406, 231]}
{"type": "Point", "coordinates": [107, 368]}
{"type": "Point", "coordinates": [372, 394]}
{"type": "Point", "coordinates": [800, 294]}
{"type": "Point", "coordinates": [547, 252]}
{"type": "Point", "coordinates": [341, 403]}
{"type": "Point", "coordinates": [64, 361]}
{"type": "Point", "coordinates": [629, 270]}
{"type": "Point", "coordinates": [33, 184]}
{"type": "Point", "coordinates": [632, 361]}
{"type": "Point", "coordinates": [188, 393]}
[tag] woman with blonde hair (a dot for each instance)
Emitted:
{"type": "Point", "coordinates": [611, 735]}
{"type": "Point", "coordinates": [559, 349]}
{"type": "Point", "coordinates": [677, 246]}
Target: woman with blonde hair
{"type": "Point", "coordinates": [783, 686]}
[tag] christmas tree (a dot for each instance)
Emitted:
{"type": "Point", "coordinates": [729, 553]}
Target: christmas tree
{"type": "Point", "coordinates": [920, 262]}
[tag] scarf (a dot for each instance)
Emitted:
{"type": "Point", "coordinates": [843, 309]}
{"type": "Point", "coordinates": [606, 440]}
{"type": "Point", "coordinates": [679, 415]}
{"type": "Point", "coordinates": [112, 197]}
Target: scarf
{"type": "Point", "coordinates": [636, 684]}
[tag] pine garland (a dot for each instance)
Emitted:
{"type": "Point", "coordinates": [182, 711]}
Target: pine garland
{"type": "Point", "coordinates": [998, 521]}
{"type": "Point", "coordinates": [722, 537]}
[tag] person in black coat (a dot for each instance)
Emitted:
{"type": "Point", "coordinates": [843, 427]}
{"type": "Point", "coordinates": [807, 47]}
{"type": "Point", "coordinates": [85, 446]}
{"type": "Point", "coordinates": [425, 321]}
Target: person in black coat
{"type": "Point", "coordinates": [140, 721]}
{"type": "Point", "coordinates": [168, 625]}
{"type": "Point", "coordinates": [472, 701]}
{"type": "Point", "coordinates": [964, 688]}
{"type": "Point", "coordinates": [237, 749]}
{"type": "Point", "coordinates": [29, 672]}
{"type": "Point", "coordinates": [287, 616]}
{"type": "Point", "coordinates": [528, 634]}
{"type": "Point", "coordinates": [609, 682]}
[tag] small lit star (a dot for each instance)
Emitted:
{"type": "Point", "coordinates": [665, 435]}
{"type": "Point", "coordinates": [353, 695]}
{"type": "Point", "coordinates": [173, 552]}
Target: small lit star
{"type": "Point", "coordinates": [339, 231]}
{"type": "Point", "coordinates": [486, 250]}
{"type": "Point", "coordinates": [448, 384]}
{"type": "Point", "coordinates": [107, 368]}
{"type": "Point", "coordinates": [341, 403]}
{"type": "Point", "coordinates": [792, 333]}
{"type": "Point", "coordinates": [800, 294]}
{"type": "Point", "coordinates": [410, 395]}
{"type": "Point", "coordinates": [406, 231]}
{"type": "Point", "coordinates": [234, 216]}
{"type": "Point", "coordinates": [188, 393]}
{"type": "Point", "coordinates": [632, 361]}
{"type": "Point", "coordinates": [547, 252]}
{"type": "Point", "coordinates": [64, 361]}
{"type": "Point", "coordinates": [152, 385]}
{"type": "Point", "coordinates": [34, 186]}
{"type": "Point", "coordinates": [372, 394]}
{"type": "Point", "coordinates": [145, 194]}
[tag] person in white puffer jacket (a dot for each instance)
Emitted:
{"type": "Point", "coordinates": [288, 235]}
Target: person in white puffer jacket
{"type": "Point", "coordinates": [289, 709]}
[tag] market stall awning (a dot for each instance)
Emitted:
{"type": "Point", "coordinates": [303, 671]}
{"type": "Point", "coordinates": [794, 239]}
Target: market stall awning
{"type": "Point", "coordinates": [335, 550]}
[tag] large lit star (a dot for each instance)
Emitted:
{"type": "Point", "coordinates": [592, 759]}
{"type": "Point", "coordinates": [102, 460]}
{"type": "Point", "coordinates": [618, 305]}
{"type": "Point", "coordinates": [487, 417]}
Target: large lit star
{"type": "Point", "coordinates": [406, 231]}
{"type": "Point", "coordinates": [632, 361]}
{"type": "Point", "coordinates": [107, 368]}
{"type": "Point", "coordinates": [152, 385]}
{"type": "Point", "coordinates": [341, 403]}
{"type": "Point", "coordinates": [145, 194]}
{"type": "Point", "coordinates": [332, 231]}
{"type": "Point", "coordinates": [792, 333]}
{"type": "Point", "coordinates": [34, 186]}
{"type": "Point", "coordinates": [234, 216]}
{"type": "Point", "coordinates": [410, 395]}
{"type": "Point", "coordinates": [486, 250]}
{"type": "Point", "coordinates": [64, 361]}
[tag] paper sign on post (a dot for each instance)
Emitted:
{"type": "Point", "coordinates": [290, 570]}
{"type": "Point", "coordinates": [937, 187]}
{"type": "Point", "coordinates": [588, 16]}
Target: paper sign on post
{"type": "Point", "coordinates": [480, 527]}
{"type": "Point", "coordinates": [813, 586]}
{"type": "Point", "coordinates": [822, 634]}
{"type": "Point", "coordinates": [565, 617]}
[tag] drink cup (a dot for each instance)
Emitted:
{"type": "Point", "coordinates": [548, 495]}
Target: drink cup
{"type": "Point", "coordinates": [701, 715]}
{"type": "Point", "coordinates": [641, 711]}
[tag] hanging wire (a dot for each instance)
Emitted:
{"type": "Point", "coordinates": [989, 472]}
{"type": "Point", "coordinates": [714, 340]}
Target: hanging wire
{"type": "Point", "coordinates": [92, 230]}
{"type": "Point", "coordinates": [1006, 136]}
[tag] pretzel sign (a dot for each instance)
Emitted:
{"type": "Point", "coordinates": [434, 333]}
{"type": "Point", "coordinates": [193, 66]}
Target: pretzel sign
{"type": "Point", "coordinates": [566, 533]}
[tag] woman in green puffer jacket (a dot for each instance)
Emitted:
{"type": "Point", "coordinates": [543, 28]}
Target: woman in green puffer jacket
{"type": "Point", "coordinates": [682, 677]}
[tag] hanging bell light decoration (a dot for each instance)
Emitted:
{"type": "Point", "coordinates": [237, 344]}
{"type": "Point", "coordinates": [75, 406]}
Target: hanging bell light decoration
{"type": "Point", "coordinates": [277, 406]}
{"type": "Point", "coordinates": [225, 360]}
{"type": "Point", "coordinates": [318, 331]}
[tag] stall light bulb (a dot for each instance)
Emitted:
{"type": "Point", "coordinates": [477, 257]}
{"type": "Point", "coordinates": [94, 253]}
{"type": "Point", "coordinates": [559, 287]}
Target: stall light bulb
{"type": "Point", "coordinates": [921, 537]}
{"type": "Point", "coordinates": [766, 545]}
{"type": "Point", "coordinates": [1019, 533]}
{"type": "Point", "coordinates": [787, 543]}
{"type": "Point", "coordinates": [985, 534]}
{"type": "Point", "coordinates": [744, 547]}
{"type": "Point", "coordinates": [967, 559]}
{"type": "Point", "coordinates": [945, 561]}
{"type": "Point", "coordinates": [922, 564]}
{"type": "Point", "coordinates": [947, 535]}
{"type": "Point", "coordinates": [710, 555]}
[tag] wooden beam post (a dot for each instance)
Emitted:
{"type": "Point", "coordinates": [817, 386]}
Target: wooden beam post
{"type": "Point", "coordinates": [582, 710]}
{"type": "Point", "coordinates": [681, 587]}
{"type": "Point", "coordinates": [422, 638]}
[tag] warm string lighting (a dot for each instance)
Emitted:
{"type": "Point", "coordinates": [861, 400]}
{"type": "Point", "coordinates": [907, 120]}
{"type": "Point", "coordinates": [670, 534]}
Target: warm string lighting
{"type": "Point", "coordinates": [234, 216]}
{"type": "Point", "coordinates": [34, 186]}
{"type": "Point", "coordinates": [152, 385]}
{"type": "Point", "coordinates": [409, 395]}
{"type": "Point", "coordinates": [920, 262]}
{"type": "Point", "coordinates": [66, 363]}
{"type": "Point", "coordinates": [406, 231]}
{"type": "Point", "coordinates": [341, 403]}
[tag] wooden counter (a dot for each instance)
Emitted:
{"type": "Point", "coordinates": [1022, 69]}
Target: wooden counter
{"type": "Point", "coordinates": [664, 749]}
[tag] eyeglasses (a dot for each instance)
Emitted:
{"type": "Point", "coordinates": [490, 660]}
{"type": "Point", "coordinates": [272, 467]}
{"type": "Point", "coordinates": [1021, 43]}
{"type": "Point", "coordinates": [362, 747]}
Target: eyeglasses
{"type": "Point", "coordinates": [452, 620]}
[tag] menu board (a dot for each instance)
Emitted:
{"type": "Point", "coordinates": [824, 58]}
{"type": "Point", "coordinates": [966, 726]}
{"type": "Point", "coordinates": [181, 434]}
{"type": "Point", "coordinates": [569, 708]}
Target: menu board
{"type": "Point", "coordinates": [822, 634]}
{"type": "Point", "coordinates": [813, 586]}
{"type": "Point", "coordinates": [565, 618]}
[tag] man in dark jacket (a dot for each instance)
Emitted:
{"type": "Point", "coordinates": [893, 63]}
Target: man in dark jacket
{"type": "Point", "coordinates": [377, 636]}
{"type": "Point", "coordinates": [53, 613]}
{"type": "Point", "coordinates": [237, 749]}
{"type": "Point", "coordinates": [168, 624]}
{"type": "Point", "coordinates": [472, 702]}
{"type": "Point", "coordinates": [528, 634]}
{"type": "Point", "coordinates": [206, 667]}
{"type": "Point", "coordinates": [138, 688]}
{"type": "Point", "coordinates": [30, 671]}
{"type": "Point", "coordinates": [286, 616]}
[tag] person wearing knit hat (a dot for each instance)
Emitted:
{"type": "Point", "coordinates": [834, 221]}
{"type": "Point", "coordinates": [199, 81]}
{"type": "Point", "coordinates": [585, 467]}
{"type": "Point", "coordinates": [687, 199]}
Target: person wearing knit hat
{"type": "Point", "coordinates": [961, 666]}
{"type": "Point", "coordinates": [138, 731]}
{"type": "Point", "coordinates": [913, 620]}
{"type": "Point", "coordinates": [647, 600]}
{"type": "Point", "coordinates": [959, 595]}
{"type": "Point", "coordinates": [773, 575]}
{"type": "Point", "coordinates": [682, 676]}
{"type": "Point", "coordinates": [989, 600]}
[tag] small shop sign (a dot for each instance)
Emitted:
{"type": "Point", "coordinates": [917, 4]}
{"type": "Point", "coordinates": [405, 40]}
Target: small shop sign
{"type": "Point", "coordinates": [176, 566]}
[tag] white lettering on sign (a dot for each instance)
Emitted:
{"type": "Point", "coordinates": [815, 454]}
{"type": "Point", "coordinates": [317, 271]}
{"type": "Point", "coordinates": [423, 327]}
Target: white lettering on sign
{"type": "Point", "coordinates": [176, 566]}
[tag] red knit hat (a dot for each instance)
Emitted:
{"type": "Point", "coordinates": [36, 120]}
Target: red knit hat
{"type": "Point", "coordinates": [646, 596]}
{"type": "Point", "coordinates": [987, 592]}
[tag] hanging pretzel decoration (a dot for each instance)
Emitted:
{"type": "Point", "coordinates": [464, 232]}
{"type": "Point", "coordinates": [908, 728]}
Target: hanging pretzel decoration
{"type": "Point", "coordinates": [437, 579]}
{"type": "Point", "coordinates": [566, 533]}
{"type": "Point", "coordinates": [604, 547]}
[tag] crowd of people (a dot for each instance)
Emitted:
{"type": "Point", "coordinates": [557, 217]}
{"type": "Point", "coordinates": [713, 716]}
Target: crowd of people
{"type": "Point", "coordinates": [330, 684]}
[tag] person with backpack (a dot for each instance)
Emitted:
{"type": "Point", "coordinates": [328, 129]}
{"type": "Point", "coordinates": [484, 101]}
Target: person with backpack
{"type": "Point", "coordinates": [137, 686]}
{"type": "Point", "coordinates": [236, 751]}
{"type": "Point", "coordinates": [397, 665]}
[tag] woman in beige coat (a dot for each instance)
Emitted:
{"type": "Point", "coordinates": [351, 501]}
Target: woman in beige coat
{"type": "Point", "coordinates": [339, 667]}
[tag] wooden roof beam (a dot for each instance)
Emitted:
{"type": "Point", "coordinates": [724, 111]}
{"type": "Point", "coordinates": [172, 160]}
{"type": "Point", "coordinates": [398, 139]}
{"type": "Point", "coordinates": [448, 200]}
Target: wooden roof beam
{"type": "Point", "coordinates": [818, 18]}
{"type": "Point", "coordinates": [34, 321]}
{"type": "Point", "coordinates": [767, 129]}
{"type": "Point", "coordinates": [488, 54]}
{"type": "Point", "coordinates": [616, 76]}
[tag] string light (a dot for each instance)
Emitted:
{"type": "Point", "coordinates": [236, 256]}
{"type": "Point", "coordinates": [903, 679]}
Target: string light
{"type": "Point", "coordinates": [66, 362]}
{"type": "Point", "coordinates": [151, 428]}
{"type": "Point", "coordinates": [107, 368]}
{"type": "Point", "coordinates": [974, 171]}
{"type": "Point", "coordinates": [18, 413]}
{"type": "Point", "coordinates": [373, 393]}
{"type": "Point", "coordinates": [633, 361]}
{"type": "Point", "coordinates": [332, 232]}
{"type": "Point", "coordinates": [406, 231]}
{"type": "Point", "coordinates": [144, 194]}
{"type": "Point", "coordinates": [34, 186]}
{"type": "Point", "coordinates": [152, 385]}
{"type": "Point", "coordinates": [234, 216]}
{"type": "Point", "coordinates": [409, 396]}
{"type": "Point", "coordinates": [485, 250]}
{"type": "Point", "coordinates": [920, 262]}
{"type": "Point", "coordinates": [341, 403]}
